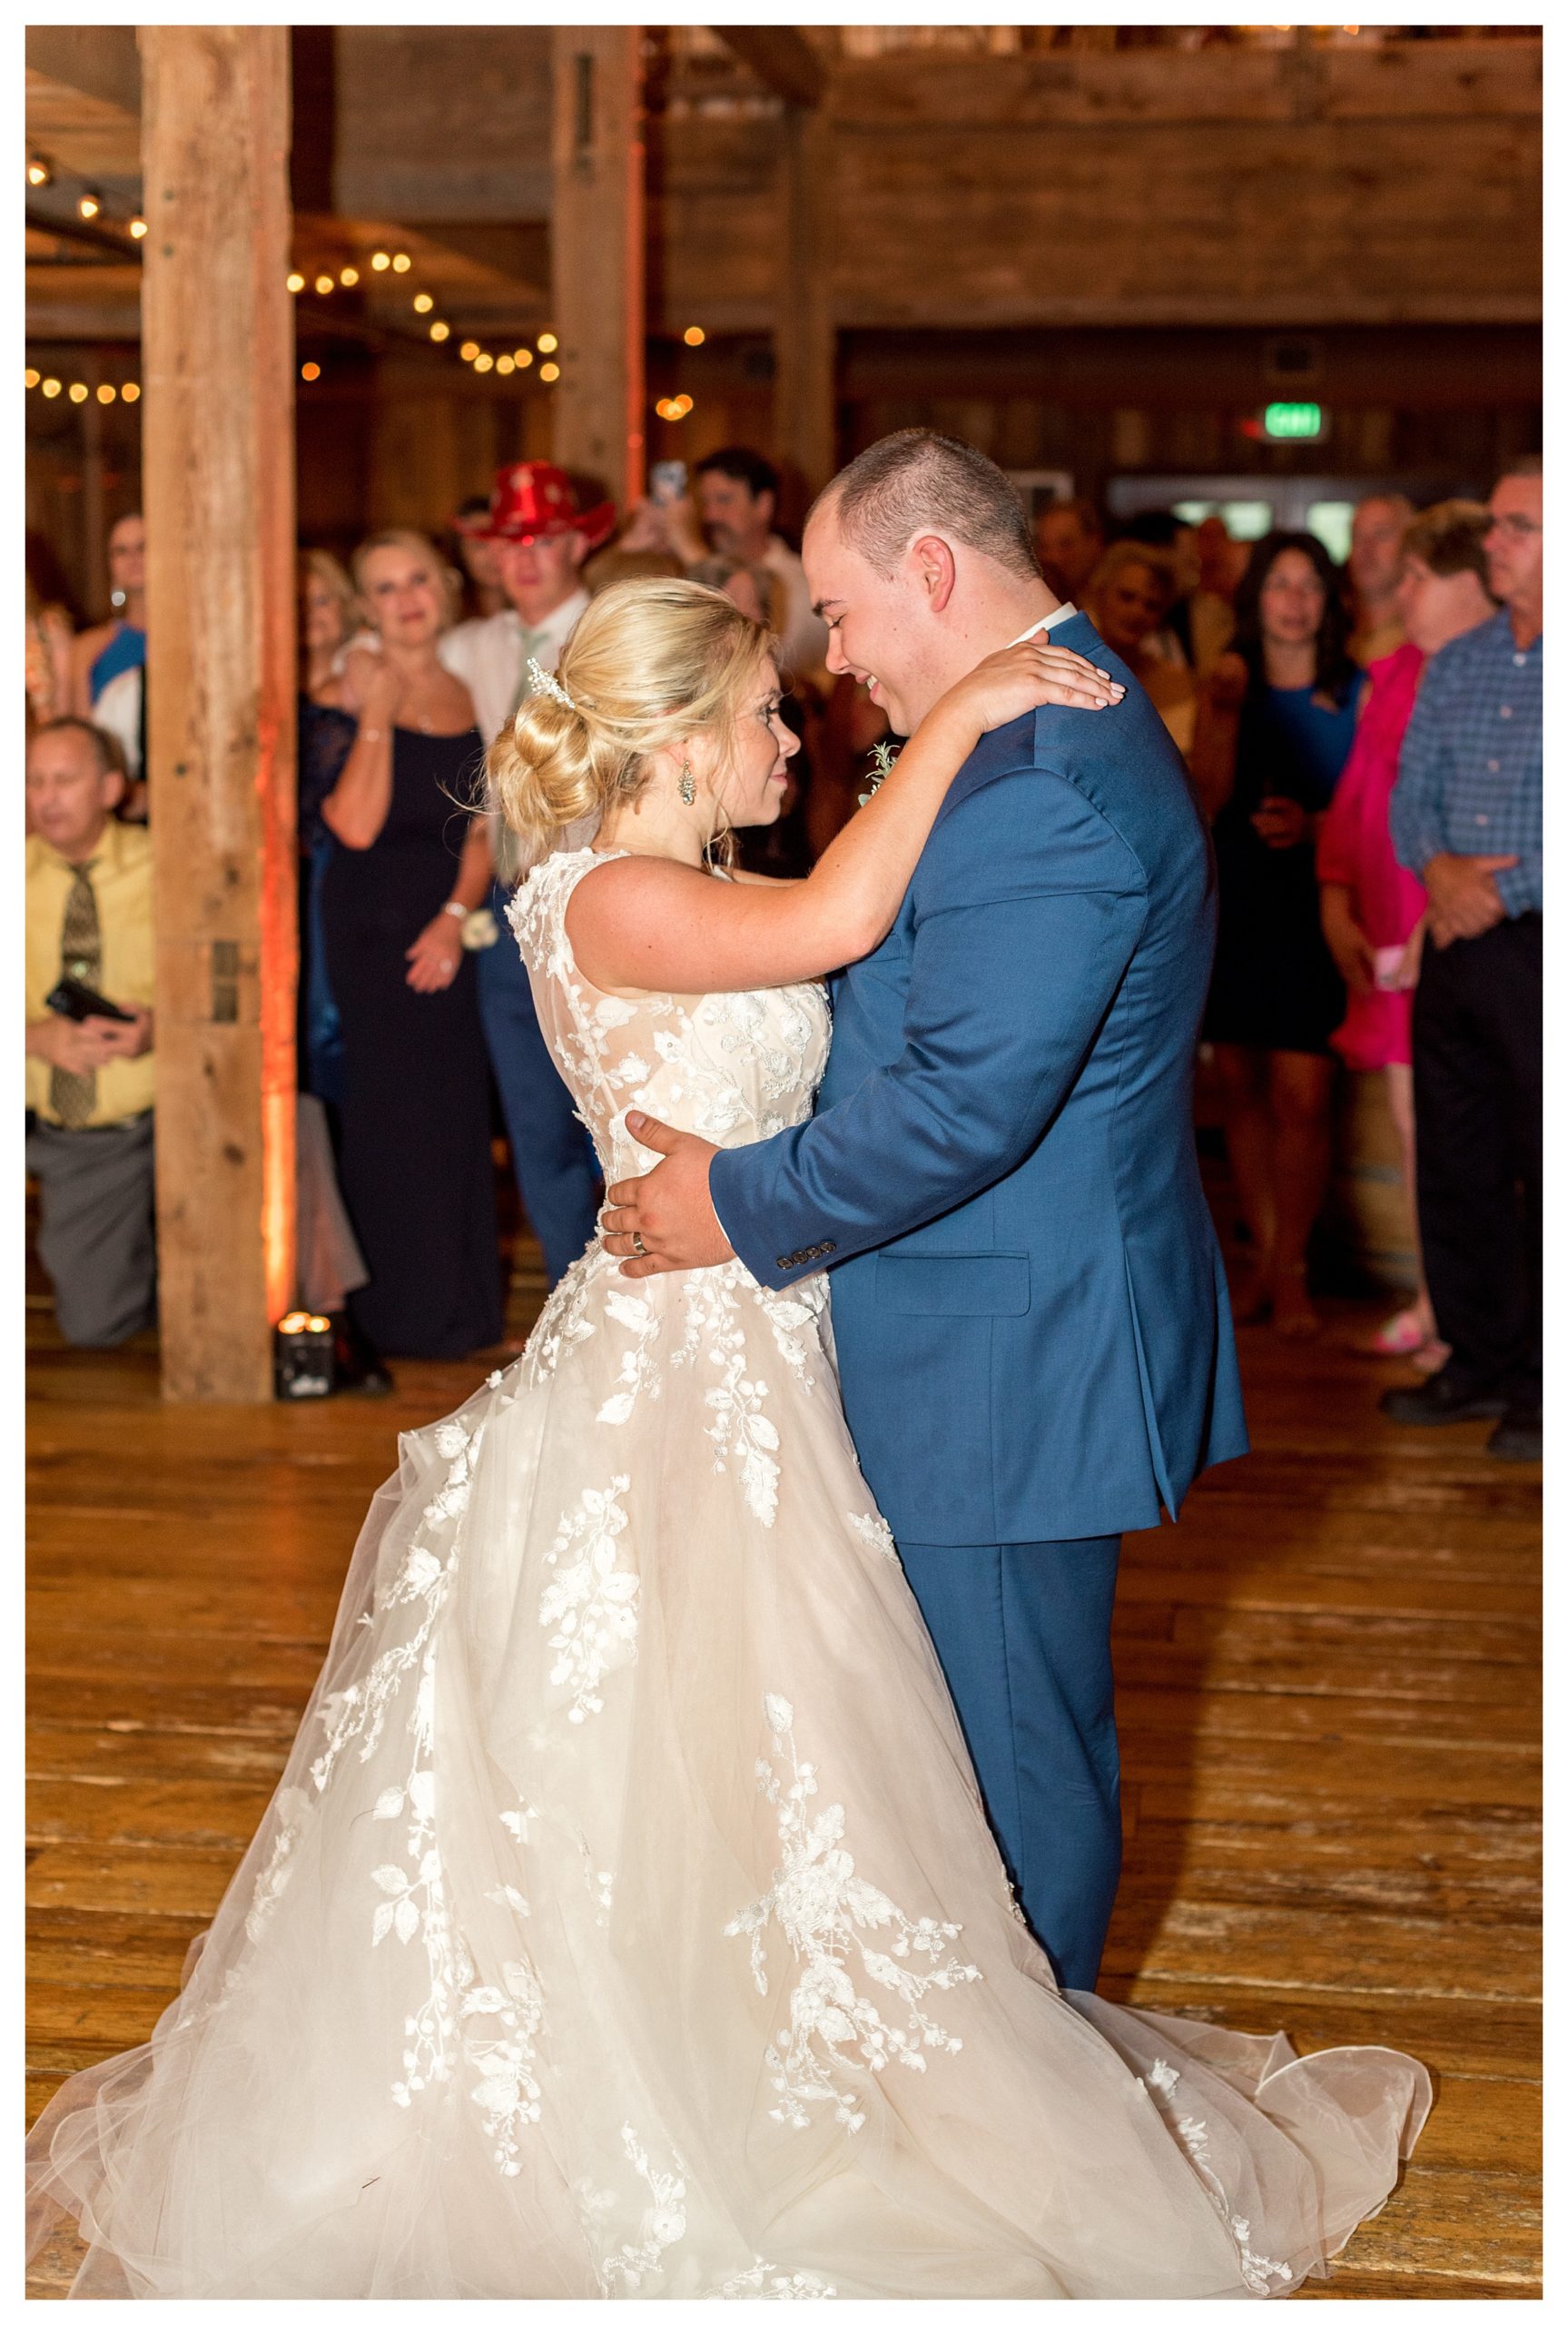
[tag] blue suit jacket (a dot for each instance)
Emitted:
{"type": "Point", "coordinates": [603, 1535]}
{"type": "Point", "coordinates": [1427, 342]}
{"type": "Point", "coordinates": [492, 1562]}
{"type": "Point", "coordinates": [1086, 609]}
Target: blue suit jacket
{"type": "Point", "coordinates": [1030, 1308]}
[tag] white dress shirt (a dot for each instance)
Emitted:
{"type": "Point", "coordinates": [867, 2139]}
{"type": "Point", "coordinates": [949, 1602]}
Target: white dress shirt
{"type": "Point", "coordinates": [489, 656]}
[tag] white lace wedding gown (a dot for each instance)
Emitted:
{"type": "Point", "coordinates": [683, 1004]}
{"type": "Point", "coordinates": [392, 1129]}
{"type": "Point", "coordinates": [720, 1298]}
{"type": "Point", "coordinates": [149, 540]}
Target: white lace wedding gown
{"type": "Point", "coordinates": [627, 1922]}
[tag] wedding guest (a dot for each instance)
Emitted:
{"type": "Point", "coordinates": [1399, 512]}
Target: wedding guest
{"type": "Point", "coordinates": [1274, 731]}
{"type": "Point", "coordinates": [329, 618]}
{"type": "Point", "coordinates": [753, 587]}
{"type": "Point", "coordinates": [1069, 541]}
{"type": "Point", "coordinates": [1466, 819]}
{"type": "Point", "coordinates": [542, 539]}
{"type": "Point", "coordinates": [102, 653]}
{"type": "Point", "coordinates": [539, 539]}
{"type": "Point", "coordinates": [1211, 609]}
{"type": "Point", "coordinates": [1376, 538]}
{"type": "Point", "coordinates": [483, 593]}
{"type": "Point", "coordinates": [1130, 595]}
{"type": "Point", "coordinates": [730, 514]}
{"type": "Point", "coordinates": [1177, 542]}
{"type": "Point", "coordinates": [88, 912]}
{"type": "Point", "coordinates": [412, 863]}
{"type": "Point", "coordinates": [1372, 907]}
{"type": "Point", "coordinates": [49, 639]}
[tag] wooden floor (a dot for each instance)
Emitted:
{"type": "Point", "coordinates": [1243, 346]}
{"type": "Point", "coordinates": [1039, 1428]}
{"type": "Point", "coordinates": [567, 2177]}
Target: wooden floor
{"type": "Point", "coordinates": [1330, 1705]}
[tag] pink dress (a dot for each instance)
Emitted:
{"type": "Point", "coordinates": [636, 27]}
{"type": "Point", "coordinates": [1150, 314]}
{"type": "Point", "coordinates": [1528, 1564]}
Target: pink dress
{"type": "Point", "coordinates": [1354, 852]}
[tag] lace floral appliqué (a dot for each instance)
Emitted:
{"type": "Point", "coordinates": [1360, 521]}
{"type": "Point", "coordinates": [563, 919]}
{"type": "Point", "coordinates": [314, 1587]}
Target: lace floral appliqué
{"type": "Point", "coordinates": [821, 1908]}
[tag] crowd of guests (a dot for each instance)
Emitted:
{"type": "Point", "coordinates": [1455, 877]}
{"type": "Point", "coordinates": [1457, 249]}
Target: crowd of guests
{"type": "Point", "coordinates": [1365, 742]}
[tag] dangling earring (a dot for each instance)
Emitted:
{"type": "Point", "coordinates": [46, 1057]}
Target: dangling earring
{"type": "Point", "coordinates": [688, 789]}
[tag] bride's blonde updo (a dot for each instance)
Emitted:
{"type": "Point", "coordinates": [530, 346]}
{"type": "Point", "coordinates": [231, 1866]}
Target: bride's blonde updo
{"type": "Point", "coordinates": [650, 663]}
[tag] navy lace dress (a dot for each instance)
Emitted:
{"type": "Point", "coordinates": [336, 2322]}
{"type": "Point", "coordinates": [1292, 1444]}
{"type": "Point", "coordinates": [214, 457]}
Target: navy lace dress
{"type": "Point", "coordinates": [415, 1106]}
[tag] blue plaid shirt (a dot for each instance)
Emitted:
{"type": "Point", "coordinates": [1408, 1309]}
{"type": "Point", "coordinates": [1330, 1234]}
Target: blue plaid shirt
{"type": "Point", "coordinates": [1470, 768]}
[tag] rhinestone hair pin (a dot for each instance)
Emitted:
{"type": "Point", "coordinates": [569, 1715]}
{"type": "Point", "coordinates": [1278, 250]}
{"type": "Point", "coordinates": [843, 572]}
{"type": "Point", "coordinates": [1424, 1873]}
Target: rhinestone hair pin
{"type": "Point", "coordinates": [546, 682]}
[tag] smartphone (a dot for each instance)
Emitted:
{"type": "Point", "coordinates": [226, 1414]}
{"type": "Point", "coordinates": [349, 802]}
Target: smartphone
{"type": "Point", "coordinates": [70, 999]}
{"type": "Point", "coordinates": [668, 480]}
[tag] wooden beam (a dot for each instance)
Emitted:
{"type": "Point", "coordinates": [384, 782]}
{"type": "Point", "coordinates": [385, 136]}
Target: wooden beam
{"type": "Point", "coordinates": [597, 256]}
{"type": "Point", "coordinates": [219, 498]}
{"type": "Point", "coordinates": [783, 59]}
{"type": "Point", "coordinates": [804, 338]}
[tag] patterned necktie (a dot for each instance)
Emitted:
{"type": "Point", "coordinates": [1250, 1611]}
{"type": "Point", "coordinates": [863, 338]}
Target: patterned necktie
{"type": "Point", "coordinates": [535, 645]}
{"type": "Point", "coordinates": [74, 1095]}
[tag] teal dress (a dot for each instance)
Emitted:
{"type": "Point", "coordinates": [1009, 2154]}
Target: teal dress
{"type": "Point", "coordinates": [1275, 985]}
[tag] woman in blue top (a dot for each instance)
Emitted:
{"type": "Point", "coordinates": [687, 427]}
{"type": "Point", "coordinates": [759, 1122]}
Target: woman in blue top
{"type": "Point", "coordinates": [106, 652]}
{"type": "Point", "coordinates": [1276, 732]}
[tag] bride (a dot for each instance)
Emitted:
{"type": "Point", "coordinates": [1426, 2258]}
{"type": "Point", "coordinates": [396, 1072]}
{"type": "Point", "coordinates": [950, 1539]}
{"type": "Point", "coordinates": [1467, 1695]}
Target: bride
{"type": "Point", "coordinates": [627, 1922]}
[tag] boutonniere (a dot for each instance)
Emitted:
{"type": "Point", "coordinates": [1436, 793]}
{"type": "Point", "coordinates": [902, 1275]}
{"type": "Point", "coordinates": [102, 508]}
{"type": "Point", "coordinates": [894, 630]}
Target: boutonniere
{"type": "Point", "coordinates": [884, 759]}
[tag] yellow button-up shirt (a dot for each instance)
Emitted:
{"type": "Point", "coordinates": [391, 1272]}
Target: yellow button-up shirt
{"type": "Point", "coordinates": [121, 881]}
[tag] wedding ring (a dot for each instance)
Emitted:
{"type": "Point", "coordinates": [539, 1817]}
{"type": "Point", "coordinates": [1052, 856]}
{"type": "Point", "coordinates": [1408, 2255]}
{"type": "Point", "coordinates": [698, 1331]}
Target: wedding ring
{"type": "Point", "coordinates": [638, 1246]}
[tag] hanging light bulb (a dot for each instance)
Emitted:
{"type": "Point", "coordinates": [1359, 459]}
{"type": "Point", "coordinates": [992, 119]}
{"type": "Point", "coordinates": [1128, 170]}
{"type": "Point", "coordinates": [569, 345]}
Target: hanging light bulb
{"type": "Point", "coordinates": [309, 370]}
{"type": "Point", "coordinates": [549, 371]}
{"type": "Point", "coordinates": [76, 392]}
{"type": "Point", "coordinates": [105, 393]}
{"type": "Point", "coordinates": [38, 171]}
{"type": "Point", "coordinates": [32, 376]}
{"type": "Point", "coordinates": [380, 261]}
{"type": "Point", "coordinates": [505, 364]}
{"type": "Point", "coordinates": [484, 362]}
{"type": "Point", "coordinates": [549, 342]}
{"type": "Point", "coordinates": [439, 332]}
{"type": "Point", "coordinates": [693, 335]}
{"type": "Point", "coordinates": [522, 357]}
{"type": "Point", "coordinates": [295, 283]}
{"type": "Point", "coordinates": [138, 229]}
{"type": "Point", "coordinates": [88, 206]}
{"type": "Point", "coordinates": [324, 283]}
{"type": "Point", "coordinates": [50, 388]}
{"type": "Point", "coordinates": [402, 261]}
{"type": "Point", "coordinates": [348, 276]}
{"type": "Point", "coordinates": [469, 349]}
{"type": "Point", "coordinates": [423, 303]}
{"type": "Point", "coordinates": [130, 391]}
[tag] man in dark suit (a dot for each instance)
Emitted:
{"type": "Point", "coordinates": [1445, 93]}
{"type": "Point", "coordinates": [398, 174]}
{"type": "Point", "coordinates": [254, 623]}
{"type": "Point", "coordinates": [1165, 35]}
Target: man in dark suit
{"type": "Point", "coordinates": [1029, 1304]}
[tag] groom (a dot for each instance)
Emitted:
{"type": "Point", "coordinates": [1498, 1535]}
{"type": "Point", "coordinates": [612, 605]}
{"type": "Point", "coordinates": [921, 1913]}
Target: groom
{"type": "Point", "coordinates": [1028, 1305]}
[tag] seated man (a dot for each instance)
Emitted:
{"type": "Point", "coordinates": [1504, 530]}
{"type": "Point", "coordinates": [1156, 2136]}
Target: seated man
{"type": "Point", "coordinates": [89, 918]}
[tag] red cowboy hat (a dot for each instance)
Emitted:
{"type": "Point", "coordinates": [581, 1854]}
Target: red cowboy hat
{"type": "Point", "coordinates": [531, 500]}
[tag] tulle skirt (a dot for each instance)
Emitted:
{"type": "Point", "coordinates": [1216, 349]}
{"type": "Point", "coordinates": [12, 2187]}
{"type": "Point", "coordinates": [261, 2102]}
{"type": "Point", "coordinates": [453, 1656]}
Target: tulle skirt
{"type": "Point", "coordinates": [626, 1921]}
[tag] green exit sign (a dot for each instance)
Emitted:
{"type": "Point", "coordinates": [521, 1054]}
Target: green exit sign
{"type": "Point", "coordinates": [1298, 423]}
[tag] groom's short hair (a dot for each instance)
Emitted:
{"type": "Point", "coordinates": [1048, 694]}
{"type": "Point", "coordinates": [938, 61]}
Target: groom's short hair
{"type": "Point", "coordinates": [917, 481]}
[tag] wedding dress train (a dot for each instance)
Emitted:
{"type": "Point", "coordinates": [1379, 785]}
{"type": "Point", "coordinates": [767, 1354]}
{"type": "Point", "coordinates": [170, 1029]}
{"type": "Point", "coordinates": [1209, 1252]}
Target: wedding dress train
{"type": "Point", "coordinates": [627, 1922]}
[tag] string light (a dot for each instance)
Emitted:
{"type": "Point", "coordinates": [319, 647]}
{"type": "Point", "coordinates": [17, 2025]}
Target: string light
{"type": "Point", "coordinates": [469, 349]}
{"type": "Point", "coordinates": [324, 283]}
{"type": "Point", "coordinates": [32, 376]}
{"type": "Point", "coordinates": [401, 263]}
{"type": "Point", "coordinates": [505, 364]}
{"type": "Point", "coordinates": [88, 206]}
{"type": "Point", "coordinates": [549, 371]}
{"type": "Point", "coordinates": [693, 335]}
{"type": "Point", "coordinates": [309, 370]}
{"type": "Point", "coordinates": [105, 393]}
{"type": "Point", "coordinates": [348, 276]}
{"type": "Point", "coordinates": [484, 362]}
{"type": "Point", "coordinates": [51, 387]}
{"type": "Point", "coordinates": [673, 407]}
{"type": "Point", "coordinates": [138, 229]}
{"type": "Point", "coordinates": [522, 357]}
{"type": "Point", "coordinates": [130, 391]}
{"type": "Point", "coordinates": [295, 283]}
{"type": "Point", "coordinates": [380, 261]}
{"type": "Point", "coordinates": [549, 342]}
{"type": "Point", "coordinates": [38, 171]}
{"type": "Point", "coordinates": [439, 332]}
{"type": "Point", "coordinates": [76, 392]}
{"type": "Point", "coordinates": [423, 303]}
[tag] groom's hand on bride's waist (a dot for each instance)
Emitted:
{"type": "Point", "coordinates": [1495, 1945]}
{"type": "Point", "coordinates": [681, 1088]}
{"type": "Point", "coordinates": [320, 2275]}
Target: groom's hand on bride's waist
{"type": "Point", "coordinates": [667, 1221]}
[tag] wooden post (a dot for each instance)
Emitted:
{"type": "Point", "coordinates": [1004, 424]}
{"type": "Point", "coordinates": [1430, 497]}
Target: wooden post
{"type": "Point", "coordinates": [804, 341]}
{"type": "Point", "coordinates": [598, 254]}
{"type": "Point", "coordinates": [218, 473]}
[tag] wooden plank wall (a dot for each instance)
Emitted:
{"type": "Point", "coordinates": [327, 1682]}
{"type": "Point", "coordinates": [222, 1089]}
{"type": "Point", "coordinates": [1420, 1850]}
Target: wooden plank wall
{"type": "Point", "coordinates": [1328, 1688]}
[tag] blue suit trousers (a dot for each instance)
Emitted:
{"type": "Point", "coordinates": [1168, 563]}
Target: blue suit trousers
{"type": "Point", "coordinates": [553, 1157]}
{"type": "Point", "coordinates": [1022, 1633]}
